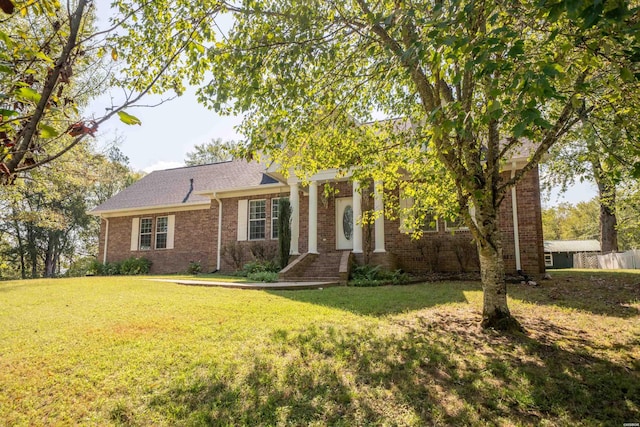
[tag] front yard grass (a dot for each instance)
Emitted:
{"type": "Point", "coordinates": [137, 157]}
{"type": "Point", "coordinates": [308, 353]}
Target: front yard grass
{"type": "Point", "coordinates": [126, 351]}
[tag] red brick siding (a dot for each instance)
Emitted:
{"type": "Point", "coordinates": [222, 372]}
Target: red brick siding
{"type": "Point", "coordinates": [454, 252]}
{"type": "Point", "coordinates": [195, 236]}
{"type": "Point", "coordinates": [230, 233]}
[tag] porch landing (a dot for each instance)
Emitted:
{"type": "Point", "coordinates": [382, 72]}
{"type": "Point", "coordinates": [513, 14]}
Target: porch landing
{"type": "Point", "coordinates": [257, 286]}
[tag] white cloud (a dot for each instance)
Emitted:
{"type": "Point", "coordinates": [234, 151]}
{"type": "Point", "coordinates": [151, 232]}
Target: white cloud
{"type": "Point", "coordinates": [160, 165]}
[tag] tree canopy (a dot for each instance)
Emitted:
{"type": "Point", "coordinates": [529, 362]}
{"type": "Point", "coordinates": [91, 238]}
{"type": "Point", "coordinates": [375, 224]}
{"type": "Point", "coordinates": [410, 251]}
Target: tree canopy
{"type": "Point", "coordinates": [211, 152]}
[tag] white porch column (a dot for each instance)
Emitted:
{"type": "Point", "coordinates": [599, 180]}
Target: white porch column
{"type": "Point", "coordinates": [313, 217]}
{"type": "Point", "coordinates": [357, 214]}
{"type": "Point", "coordinates": [294, 201]}
{"type": "Point", "coordinates": [378, 206]}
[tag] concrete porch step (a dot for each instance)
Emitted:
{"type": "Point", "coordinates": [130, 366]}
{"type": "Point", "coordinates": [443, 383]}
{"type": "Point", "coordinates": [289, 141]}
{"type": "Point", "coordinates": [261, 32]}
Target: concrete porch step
{"type": "Point", "coordinates": [318, 267]}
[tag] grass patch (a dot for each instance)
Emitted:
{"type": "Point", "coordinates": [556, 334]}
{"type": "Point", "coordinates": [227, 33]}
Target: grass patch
{"type": "Point", "coordinates": [209, 277]}
{"type": "Point", "coordinates": [124, 351]}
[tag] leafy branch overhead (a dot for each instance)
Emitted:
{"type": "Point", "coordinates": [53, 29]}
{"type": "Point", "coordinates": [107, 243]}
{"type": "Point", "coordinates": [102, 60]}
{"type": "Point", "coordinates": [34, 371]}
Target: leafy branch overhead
{"type": "Point", "coordinates": [51, 66]}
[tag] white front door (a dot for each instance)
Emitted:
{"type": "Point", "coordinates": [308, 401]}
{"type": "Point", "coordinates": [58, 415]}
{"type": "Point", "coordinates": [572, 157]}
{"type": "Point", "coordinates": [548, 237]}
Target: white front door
{"type": "Point", "coordinates": [344, 223]}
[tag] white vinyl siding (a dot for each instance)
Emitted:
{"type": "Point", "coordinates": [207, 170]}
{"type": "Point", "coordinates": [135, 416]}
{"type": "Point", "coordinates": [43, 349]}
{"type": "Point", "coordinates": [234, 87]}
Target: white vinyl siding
{"type": "Point", "coordinates": [171, 225]}
{"type": "Point", "coordinates": [243, 215]}
{"type": "Point", "coordinates": [135, 230]}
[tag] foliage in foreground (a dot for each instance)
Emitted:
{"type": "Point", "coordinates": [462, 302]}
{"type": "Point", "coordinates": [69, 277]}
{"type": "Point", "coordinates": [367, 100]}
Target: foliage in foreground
{"type": "Point", "coordinates": [122, 350]}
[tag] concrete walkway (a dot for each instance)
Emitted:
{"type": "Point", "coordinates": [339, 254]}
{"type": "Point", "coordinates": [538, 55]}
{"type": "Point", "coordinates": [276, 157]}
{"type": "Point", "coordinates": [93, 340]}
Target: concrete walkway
{"type": "Point", "coordinates": [260, 286]}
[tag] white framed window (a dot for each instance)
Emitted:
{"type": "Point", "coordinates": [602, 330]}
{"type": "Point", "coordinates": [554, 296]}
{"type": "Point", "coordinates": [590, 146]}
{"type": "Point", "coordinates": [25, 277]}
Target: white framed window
{"type": "Point", "coordinates": [548, 260]}
{"type": "Point", "coordinates": [162, 231]}
{"type": "Point", "coordinates": [428, 224]}
{"type": "Point", "coordinates": [455, 224]}
{"type": "Point", "coordinates": [257, 219]}
{"type": "Point", "coordinates": [146, 227]}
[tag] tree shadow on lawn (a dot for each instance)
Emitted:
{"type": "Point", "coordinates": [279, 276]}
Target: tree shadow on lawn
{"type": "Point", "coordinates": [607, 295]}
{"type": "Point", "coordinates": [599, 293]}
{"type": "Point", "coordinates": [434, 369]}
{"type": "Point", "coordinates": [384, 300]}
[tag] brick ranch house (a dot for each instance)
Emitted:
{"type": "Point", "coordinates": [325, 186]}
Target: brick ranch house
{"type": "Point", "coordinates": [224, 214]}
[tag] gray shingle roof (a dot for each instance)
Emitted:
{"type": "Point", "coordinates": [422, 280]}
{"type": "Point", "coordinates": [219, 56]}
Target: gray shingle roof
{"type": "Point", "coordinates": [571, 246]}
{"type": "Point", "coordinates": [172, 186]}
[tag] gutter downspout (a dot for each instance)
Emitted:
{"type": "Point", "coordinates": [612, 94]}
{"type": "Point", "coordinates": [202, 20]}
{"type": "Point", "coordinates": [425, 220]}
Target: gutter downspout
{"type": "Point", "coordinates": [215, 197]}
{"type": "Point", "coordinates": [106, 240]}
{"type": "Point", "coordinates": [514, 209]}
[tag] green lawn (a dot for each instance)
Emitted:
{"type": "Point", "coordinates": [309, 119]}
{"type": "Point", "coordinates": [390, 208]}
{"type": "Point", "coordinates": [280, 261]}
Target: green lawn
{"type": "Point", "coordinates": [100, 351]}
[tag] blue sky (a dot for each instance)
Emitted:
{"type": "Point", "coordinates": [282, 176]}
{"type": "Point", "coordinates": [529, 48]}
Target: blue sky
{"type": "Point", "coordinates": [167, 132]}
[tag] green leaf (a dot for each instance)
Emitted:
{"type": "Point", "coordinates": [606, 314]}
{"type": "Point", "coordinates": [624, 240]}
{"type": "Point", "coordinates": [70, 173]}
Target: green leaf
{"type": "Point", "coordinates": [6, 39]}
{"type": "Point", "coordinates": [47, 131]}
{"type": "Point", "coordinates": [552, 70]}
{"type": "Point", "coordinates": [28, 94]}
{"type": "Point", "coordinates": [516, 49]}
{"type": "Point", "coordinates": [626, 74]}
{"type": "Point", "coordinates": [7, 113]}
{"type": "Point", "coordinates": [128, 119]}
{"type": "Point", "coordinates": [519, 129]}
{"type": "Point", "coordinates": [44, 57]}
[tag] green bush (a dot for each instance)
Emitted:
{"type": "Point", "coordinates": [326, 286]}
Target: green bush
{"type": "Point", "coordinates": [369, 275]}
{"type": "Point", "coordinates": [134, 266]}
{"type": "Point", "coordinates": [263, 276]}
{"type": "Point", "coordinates": [259, 267]}
{"type": "Point", "coordinates": [129, 267]}
{"type": "Point", "coordinates": [194, 268]}
{"type": "Point", "coordinates": [107, 269]}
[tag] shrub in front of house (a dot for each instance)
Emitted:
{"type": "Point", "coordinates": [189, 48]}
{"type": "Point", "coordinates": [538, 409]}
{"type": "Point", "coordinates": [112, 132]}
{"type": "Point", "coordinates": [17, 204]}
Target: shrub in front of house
{"type": "Point", "coordinates": [129, 267]}
{"type": "Point", "coordinates": [134, 266]}
{"type": "Point", "coordinates": [258, 266]}
{"type": "Point", "coordinates": [263, 276]}
{"type": "Point", "coordinates": [368, 275]}
{"type": "Point", "coordinates": [194, 268]}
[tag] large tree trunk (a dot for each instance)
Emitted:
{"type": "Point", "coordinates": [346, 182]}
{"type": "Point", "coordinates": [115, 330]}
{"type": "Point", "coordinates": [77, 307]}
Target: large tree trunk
{"type": "Point", "coordinates": [495, 311]}
{"type": "Point", "coordinates": [608, 220]}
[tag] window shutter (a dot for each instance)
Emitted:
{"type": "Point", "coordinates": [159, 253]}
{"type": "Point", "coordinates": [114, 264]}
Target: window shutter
{"type": "Point", "coordinates": [135, 232]}
{"type": "Point", "coordinates": [171, 223]}
{"type": "Point", "coordinates": [243, 214]}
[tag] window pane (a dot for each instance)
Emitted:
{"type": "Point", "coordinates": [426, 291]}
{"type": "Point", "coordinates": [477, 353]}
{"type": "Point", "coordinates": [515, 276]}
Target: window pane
{"type": "Point", "coordinates": [162, 224]}
{"type": "Point", "coordinates": [161, 241]}
{"type": "Point", "coordinates": [145, 225]}
{"type": "Point", "coordinates": [257, 219]}
{"type": "Point", "coordinates": [145, 242]}
{"type": "Point", "coordinates": [257, 229]}
{"type": "Point", "coordinates": [430, 222]}
{"type": "Point", "coordinates": [257, 209]}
